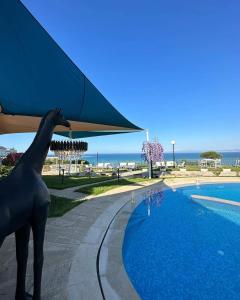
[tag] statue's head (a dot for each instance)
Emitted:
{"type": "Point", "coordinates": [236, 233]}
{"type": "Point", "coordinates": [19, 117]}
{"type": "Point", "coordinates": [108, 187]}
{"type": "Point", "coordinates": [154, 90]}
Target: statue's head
{"type": "Point", "coordinates": [57, 116]}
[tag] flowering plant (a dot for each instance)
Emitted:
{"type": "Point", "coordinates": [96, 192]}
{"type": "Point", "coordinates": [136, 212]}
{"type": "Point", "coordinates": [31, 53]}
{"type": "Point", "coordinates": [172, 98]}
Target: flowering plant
{"type": "Point", "coordinates": [152, 152]}
{"type": "Point", "coordinates": [11, 159]}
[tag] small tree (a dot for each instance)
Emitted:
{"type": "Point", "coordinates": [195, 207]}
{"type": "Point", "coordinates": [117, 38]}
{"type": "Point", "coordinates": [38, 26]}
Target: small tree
{"type": "Point", "coordinates": [152, 152]}
{"type": "Point", "coordinates": [211, 155]}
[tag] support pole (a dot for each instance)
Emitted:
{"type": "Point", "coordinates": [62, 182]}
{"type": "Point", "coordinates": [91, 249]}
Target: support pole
{"type": "Point", "coordinates": [118, 175]}
{"type": "Point", "coordinates": [173, 153]}
{"type": "Point", "coordinates": [149, 163]}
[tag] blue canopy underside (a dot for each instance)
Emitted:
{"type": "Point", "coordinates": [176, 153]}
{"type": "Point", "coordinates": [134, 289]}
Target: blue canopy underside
{"type": "Point", "coordinates": [84, 134]}
{"type": "Point", "coordinates": [36, 75]}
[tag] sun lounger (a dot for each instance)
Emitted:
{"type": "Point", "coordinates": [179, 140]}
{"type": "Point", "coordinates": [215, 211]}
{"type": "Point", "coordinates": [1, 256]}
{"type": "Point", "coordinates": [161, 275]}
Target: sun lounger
{"type": "Point", "coordinates": [123, 165]}
{"type": "Point", "coordinates": [100, 165]}
{"type": "Point", "coordinates": [131, 165]}
{"type": "Point", "coordinates": [160, 164]}
{"type": "Point", "coordinates": [182, 164]}
{"type": "Point", "coordinates": [169, 163]}
{"type": "Point", "coordinates": [107, 166]}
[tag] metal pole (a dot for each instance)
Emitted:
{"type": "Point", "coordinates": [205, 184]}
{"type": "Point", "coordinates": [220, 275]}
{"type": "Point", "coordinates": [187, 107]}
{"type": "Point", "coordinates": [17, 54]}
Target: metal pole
{"type": "Point", "coordinates": [173, 156]}
{"type": "Point", "coordinates": [62, 175]}
{"type": "Point", "coordinates": [59, 166]}
{"type": "Point", "coordinates": [118, 174]}
{"type": "Point", "coordinates": [147, 135]}
{"type": "Point", "coordinates": [149, 163]}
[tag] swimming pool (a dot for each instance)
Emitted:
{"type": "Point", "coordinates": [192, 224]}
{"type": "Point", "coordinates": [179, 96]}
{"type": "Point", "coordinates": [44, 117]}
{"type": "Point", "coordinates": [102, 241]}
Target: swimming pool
{"type": "Point", "coordinates": [176, 247]}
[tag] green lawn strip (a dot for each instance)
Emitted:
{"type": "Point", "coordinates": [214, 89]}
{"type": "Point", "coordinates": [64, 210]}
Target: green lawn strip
{"type": "Point", "coordinates": [103, 187]}
{"type": "Point", "coordinates": [55, 181]}
{"type": "Point", "coordinates": [59, 206]}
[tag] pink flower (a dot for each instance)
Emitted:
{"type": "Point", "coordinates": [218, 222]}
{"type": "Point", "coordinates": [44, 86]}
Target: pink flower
{"type": "Point", "coordinates": [152, 151]}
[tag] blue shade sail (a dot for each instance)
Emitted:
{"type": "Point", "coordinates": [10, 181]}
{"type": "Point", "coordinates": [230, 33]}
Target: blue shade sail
{"type": "Point", "coordinates": [36, 76]}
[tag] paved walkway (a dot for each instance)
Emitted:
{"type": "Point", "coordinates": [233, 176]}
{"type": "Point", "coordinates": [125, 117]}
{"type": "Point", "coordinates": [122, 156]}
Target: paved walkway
{"type": "Point", "coordinates": [71, 249]}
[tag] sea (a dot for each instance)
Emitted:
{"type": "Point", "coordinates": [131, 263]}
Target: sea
{"type": "Point", "coordinates": [228, 158]}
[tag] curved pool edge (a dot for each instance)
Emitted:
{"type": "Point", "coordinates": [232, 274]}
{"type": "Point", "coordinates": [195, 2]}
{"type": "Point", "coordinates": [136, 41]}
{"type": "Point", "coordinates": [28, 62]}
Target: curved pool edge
{"type": "Point", "coordinates": [113, 278]}
{"type": "Point", "coordinates": [115, 281]}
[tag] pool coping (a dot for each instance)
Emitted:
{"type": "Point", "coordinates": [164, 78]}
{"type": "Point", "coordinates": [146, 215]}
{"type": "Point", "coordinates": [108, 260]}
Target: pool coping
{"type": "Point", "coordinates": [113, 277]}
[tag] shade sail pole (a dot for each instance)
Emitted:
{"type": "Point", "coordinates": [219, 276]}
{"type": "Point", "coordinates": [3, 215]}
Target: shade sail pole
{"type": "Point", "coordinates": [149, 163]}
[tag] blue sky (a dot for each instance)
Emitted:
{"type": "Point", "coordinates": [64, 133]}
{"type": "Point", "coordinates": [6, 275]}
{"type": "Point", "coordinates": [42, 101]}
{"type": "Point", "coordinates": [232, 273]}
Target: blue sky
{"type": "Point", "coordinates": [171, 66]}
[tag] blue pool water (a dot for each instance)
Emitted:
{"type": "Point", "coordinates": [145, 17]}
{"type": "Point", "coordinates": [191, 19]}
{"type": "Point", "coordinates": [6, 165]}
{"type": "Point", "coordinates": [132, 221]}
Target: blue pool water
{"type": "Point", "coordinates": [179, 248]}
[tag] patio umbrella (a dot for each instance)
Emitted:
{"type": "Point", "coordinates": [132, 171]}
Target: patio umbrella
{"type": "Point", "coordinates": [36, 76]}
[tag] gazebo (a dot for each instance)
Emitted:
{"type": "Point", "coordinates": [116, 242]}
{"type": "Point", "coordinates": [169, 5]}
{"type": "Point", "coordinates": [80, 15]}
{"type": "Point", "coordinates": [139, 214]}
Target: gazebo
{"type": "Point", "coordinates": [209, 162]}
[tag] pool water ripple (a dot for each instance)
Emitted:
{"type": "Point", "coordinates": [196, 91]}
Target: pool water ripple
{"type": "Point", "coordinates": [179, 248]}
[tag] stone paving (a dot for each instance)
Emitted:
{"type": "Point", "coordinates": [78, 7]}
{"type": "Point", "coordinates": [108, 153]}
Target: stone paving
{"type": "Point", "coordinates": [71, 247]}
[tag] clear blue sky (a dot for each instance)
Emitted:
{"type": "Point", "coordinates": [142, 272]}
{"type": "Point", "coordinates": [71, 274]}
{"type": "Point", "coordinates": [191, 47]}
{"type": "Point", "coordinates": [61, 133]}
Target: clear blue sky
{"type": "Point", "coordinates": [171, 66]}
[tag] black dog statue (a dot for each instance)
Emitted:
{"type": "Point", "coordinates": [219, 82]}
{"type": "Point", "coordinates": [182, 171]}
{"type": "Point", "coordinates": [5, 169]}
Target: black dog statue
{"type": "Point", "coordinates": [24, 200]}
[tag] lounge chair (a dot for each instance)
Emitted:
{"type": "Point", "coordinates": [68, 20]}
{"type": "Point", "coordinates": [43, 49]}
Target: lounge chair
{"type": "Point", "coordinates": [100, 165]}
{"type": "Point", "coordinates": [131, 165]}
{"type": "Point", "coordinates": [160, 164]}
{"type": "Point", "coordinates": [169, 163]}
{"type": "Point", "coordinates": [123, 165]}
{"type": "Point", "coordinates": [182, 164]}
{"type": "Point", "coordinates": [107, 166]}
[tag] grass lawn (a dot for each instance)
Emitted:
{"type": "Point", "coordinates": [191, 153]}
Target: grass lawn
{"type": "Point", "coordinates": [55, 181]}
{"type": "Point", "coordinates": [59, 206]}
{"type": "Point", "coordinates": [100, 188]}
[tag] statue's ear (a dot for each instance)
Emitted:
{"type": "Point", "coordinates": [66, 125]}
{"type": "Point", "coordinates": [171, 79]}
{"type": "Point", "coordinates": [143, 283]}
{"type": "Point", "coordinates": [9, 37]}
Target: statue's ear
{"type": "Point", "coordinates": [59, 110]}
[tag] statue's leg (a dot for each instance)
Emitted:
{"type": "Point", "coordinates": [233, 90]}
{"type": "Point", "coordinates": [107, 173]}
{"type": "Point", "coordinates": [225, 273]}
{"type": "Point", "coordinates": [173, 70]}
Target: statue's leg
{"type": "Point", "coordinates": [22, 240]}
{"type": "Point", "coordinates": [38, 228]}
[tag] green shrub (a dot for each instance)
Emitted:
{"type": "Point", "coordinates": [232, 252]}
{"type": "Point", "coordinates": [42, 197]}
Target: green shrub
{"type": "Point", "coordinates": [49, 162]}
{"type": "Point", "coordinates": [5, 171]}
{"type": "Point", "coordinates": [11, 159]}
{"type": "Point", "coordinates": [211, 155]}
{"type": "Point", "coordinates": [217, 171]}
{"type": "Point", "coordinates": [190, 162]}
